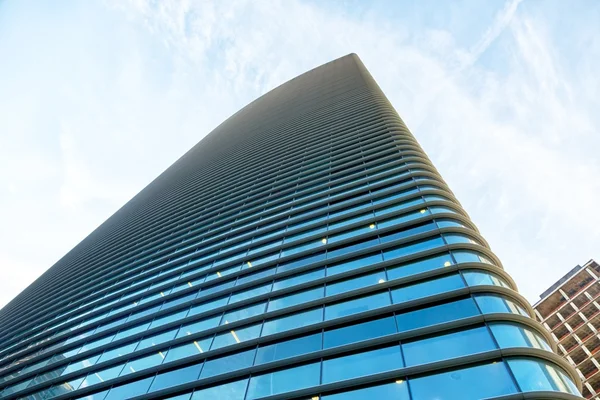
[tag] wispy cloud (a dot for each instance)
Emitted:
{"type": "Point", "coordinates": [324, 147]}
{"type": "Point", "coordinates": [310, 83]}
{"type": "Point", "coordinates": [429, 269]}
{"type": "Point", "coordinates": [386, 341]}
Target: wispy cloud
{"type": "Point", "coordinates": [90, 112]}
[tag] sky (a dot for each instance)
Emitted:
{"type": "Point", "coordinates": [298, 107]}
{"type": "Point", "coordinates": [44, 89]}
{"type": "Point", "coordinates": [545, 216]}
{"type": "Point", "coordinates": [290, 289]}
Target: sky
{"type": "Point", "coordinates": [99, 97]}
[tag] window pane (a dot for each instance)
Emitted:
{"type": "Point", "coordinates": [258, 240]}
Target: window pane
{"type": "Point", "coordinates": [537, 375]}
{"type": "Point", "coordinates": [228, 391]}
{"type": "Point", "coordinates": [358, 332]}
{"type": "Point", "coordinates": [296, 298]}
{"type": "Point", "coordinates": [418, 266]}
{"type": "Point", "coordinates": [427, 288]}
{"type": "Point", "coordinates": [176, 377]}
{"type": "Point", "coordinates": [236, 336]}
{"type": "Point", "coordinates": [143, 362]}
{"type": "Point", "coordinates": [448, 346]}
{"type": "Point", "coordinates": [80, 364]}
{"type": "Point", "coordinates": [408, 231]}
{"type": "Point", "coordinates": [118, 352]}
{"type": "Point", "coordinates": [412, 248]}
{"type": "Point", "coordinates": [288, 348]}
{"type": "Point", "coordinates": [496, 304]}
{"type": "Point", "coordinates": [290, 265]}
{"type": "Point", "coordinates": [437, 314]}
{"type": "Point", "coordinates": [209, 306]}
{"type": "Point", "coordinates": [293, 321]}
{"type": "Point", "coordinates": [243, 313]}
{"type": "Point", "coordinates": [355, 283]}
{"type": "Point", "coordinates": [362, 364]}
{"type": "Point", "coordinates": [472, 383]}
{"type": "Point", "coordinates": [355, 306]}
{"type": "Point", "coordinates": [189, 349]}
{"type": "Point", "coordinates": [168, 318]}
{"type": "Point", "coordinates": [100, 376]}
{"type": "Point", "coordinates": [284, 381]}
{"type": "Point", "coordinates": [512, 335]}
{"type": "Point", "coordinates": [199, 326]}
{"type": "Point", "coordinates": [156, 339]}
{"type": "Point", "coordinates": [129, 390]}
{"type": "Point", "coordinates": [390, 391]}
{"type": "Point", "coordinates": [349, 248]}
{"type": "Point", "coordinates": [228, 363]}
{"type": "Point", "coordinates": [249, 293]}
{"type": "Point", "coordinates": [475, 278]}
{"type": "Point", "coordinates": [298, 279]}
{"type": "Point", "coordinates": [131, 331]}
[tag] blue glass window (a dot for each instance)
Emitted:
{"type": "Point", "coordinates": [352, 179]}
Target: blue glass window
{"type": "Point", "coordinates": [389, 391]}
{"type": "Point", "coordinates": [420, 265]}
{"type": "Point", "coordinates": [208, 306]}
{"type": "Point", "coordinates": [298, 279]}
{"type": "Point", "coordinates": [473, 383]}
{"type": "Point", "coordinates": [513, 335]}
{"type": "Point", "coordinates": [358, 332]}
{"type": "Point", "coordinates": [198, 326]}
{"type": "Point", "coordinates": [476, 278]}
{"type": "Point", "coordinates": [96, 343]}
{"type": "Point", "coordinates": [464, 256]}
{"type": "Point", "coordinates": [412, 248]}
{"type": "Point", "coordinates": [355, 283]}
{"type": "Point", "coordinates": [80, 364]}
{"type": "Point", "coordinates": [168, 318]}
{"type": "Point", "coordinates": [143, 313]}
{"type": "Point", "coordinates": [187, 350]}
{"type": "Point", "coordinates": [293, 321]}
{"type": "Point", "coordinates": [176, 377]}
{"type": "Point", "coordinates": [427, 288]}
{"type": "Point", "coordinates": [156, 339]}
{"type": "Point", "coordinates": [249, 293]}
{"type": "Point", "coordinates": [288, 348]}
{"type": "Point", "coordinates": [141, 363]}
{"type": "Point", "coordinates": [229, 363]}
{"type": "Point", "coordinates": [358, 305]}
{"type": "Point", "coordinates": [536, 375]}
{"type": "Point", "coordinates": [229, 391]}
{"type": "Point", "coordinates": [100, 376]}
{"type": "Point", "coordinates": [254, 276]}
{"type": "Point", "coordinates": [131, 331]}
{"type": "Point", "coordinates": [216, 288]}
{"type": "Point", "coordinates": [296, 298]}
{"type": "Point", "coordinates": [316, 243]}
{"type": "Point", "coordinates": [354, 264]}
{"type": "Point", "coordinates": [243, 313]}
{"type": "Point", "coordinates": [437, 314]}
{"type": "Point", "coordinates": [236, 336]}
{"type": "Point", "coordinates": [284, 381]}
{"type": "Point", "coordinates": [129, 390]}
{"type": "Point", "coordinates": [405, 232]}
{"type": "Point", "coordinates": [497, 304]}
{"type": "Point", "coordinates": [117, 352]}
{"type": "Point", "coordinates": [350, 233]}
{"type": "Point", "coordinates": [349, 248]}
{"type": "Point", "coordinates": [362, 364]}
{"type": "Point", "coordinates": [293, 264]}
{"type": "Point", "coordinates": [448, 346]}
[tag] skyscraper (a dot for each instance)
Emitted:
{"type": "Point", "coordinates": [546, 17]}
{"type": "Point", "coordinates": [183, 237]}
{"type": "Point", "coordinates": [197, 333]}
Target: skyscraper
{"type": "Point", "coordinates": [569, 309]}
{"type": "Point", "coordinates": [305, 249]}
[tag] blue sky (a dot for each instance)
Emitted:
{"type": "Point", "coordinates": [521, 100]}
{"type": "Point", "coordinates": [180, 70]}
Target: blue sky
{"type": "Point", "coordinates": [98, 98]}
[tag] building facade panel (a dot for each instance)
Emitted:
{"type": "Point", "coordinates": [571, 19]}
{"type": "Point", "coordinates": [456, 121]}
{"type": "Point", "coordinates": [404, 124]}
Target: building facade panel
{"type": "Point", "coordinates": [306, 248]}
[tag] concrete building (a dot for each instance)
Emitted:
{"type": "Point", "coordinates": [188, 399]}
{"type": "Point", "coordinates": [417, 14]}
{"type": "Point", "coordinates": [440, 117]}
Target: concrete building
{"type": "Point", "coordinates": [570, 310]}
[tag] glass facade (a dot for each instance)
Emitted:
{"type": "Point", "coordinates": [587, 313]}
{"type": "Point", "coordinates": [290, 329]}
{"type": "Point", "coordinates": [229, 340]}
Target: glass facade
{"type": "Point", "coordinates": [306, 249]}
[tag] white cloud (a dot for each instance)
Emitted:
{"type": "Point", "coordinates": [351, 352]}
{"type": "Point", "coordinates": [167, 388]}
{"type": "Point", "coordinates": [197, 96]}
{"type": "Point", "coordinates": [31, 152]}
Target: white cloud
{"type": "Point", "coordinates": [93, 111]}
